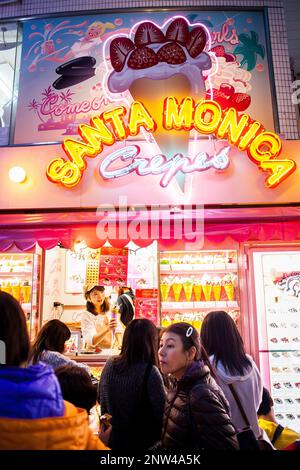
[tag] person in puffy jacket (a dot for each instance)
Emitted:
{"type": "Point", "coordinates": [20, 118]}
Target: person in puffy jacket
{"type": "Point", "coordinates": [197, 414]}
{"type": "Point", "coordinates": [224, 345]}
{"type": "Point", "coordinates": [33, 414]}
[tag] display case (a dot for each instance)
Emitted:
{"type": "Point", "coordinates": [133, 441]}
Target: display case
{"type": "Point", "coordinates": [194, 283]}
{"type": "Point", "coordinates": [20, 277]}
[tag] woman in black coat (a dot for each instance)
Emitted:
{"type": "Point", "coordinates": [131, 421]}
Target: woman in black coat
{"type": "Point", "coordinates": [197, 414]}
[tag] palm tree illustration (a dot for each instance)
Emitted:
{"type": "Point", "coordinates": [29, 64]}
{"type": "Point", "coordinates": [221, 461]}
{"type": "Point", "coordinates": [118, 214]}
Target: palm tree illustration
{"type": "Point", "coordinates": [49, 93]}
{"type": "Point", "coordinates": [66, 97]}
{"type": "Point", "coordinates": [249, 48]}
{"type": "Point", "coordinates": [34, 106]}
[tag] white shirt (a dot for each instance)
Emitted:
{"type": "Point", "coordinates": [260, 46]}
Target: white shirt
{"type": "Point", "coordinates": [91, 325]}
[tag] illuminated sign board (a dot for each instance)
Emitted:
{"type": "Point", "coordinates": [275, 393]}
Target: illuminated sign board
{"type": "Point", "coordinates": [206, 117]}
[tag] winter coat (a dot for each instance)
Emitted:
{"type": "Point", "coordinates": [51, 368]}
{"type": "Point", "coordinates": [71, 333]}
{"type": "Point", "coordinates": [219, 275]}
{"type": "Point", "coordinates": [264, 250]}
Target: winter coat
{"type": "Point", "coordinates": [249, 388]}
{"type": "Point", "coordinates": [34, 416]}
{"type": "Point", "coordinates": [197, 414]}
{"type": "Point", "coordinates": [30, 392]}
{"type": "Point", "coordinates": [68, 432]}
{"type": "Point", "coordinates": [135, 398]}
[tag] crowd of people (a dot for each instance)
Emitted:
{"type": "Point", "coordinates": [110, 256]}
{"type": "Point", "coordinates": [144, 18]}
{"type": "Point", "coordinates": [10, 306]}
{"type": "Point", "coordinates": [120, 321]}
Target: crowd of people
{"type": "Point", "coordinates": [169, 389]}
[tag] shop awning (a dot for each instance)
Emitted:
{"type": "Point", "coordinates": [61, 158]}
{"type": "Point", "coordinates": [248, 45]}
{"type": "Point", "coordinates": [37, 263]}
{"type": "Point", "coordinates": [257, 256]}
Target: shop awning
{"type": "Point", "coordinates": [23, 230]}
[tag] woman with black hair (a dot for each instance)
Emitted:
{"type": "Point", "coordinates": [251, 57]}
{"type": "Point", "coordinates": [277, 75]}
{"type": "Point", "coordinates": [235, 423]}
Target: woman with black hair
{"type": "Point", "coordinates": [197, 414]}
{"type": "Point", "coordinates": [131, 390]}
{"type": "Point", "coordinates": [49, 345]}
{"type": "Point", "coordinates": [97, 325]}
{"type": "Point", "coordinates": [234, 368]}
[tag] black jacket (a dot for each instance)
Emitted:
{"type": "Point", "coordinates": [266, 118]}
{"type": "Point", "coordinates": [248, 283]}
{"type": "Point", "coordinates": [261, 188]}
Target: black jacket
{"type": "Point", "coordinates": [197, 414]}
{"type": "Point", "coordinates": [125, 308]}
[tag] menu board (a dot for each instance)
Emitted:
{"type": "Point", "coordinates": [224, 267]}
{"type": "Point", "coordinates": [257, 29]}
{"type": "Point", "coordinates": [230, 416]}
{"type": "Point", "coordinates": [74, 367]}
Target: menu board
{"type": "Point", "coordinates": [147, 305]}
{"type": "Point", "coordinates": [113, 266]}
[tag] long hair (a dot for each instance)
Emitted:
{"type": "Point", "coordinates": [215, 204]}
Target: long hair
{"type": "Point", "coordinates": [77, 386]}
{"type": "Point", "coordinates": [105, 306]}
{"type": "Point", "coordinates": [13, 331]}
{"type": "Point", "coordinates": [52, 337]}
{"type": "Point", "coordinates": [140, 344]}
{"type": "Point", "coordinates": [221, 338]}
{"type": "Point", "coordinates": [182, 330]}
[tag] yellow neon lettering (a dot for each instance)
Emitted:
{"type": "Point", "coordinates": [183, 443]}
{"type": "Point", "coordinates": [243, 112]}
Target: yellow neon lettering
{"type": "Point", "coordinates": [230, 127]}
{"type": "Point", "coordinates": [177, 116]}
{"type": "Point", "coordinates": [76, 150]}
{"type": "Point", "coordinates": [139, 117]}
{"type": "Point", "coordinates": [64, 172]}
{"type": "Point", "coordinates": [205, 110]}
{"type": "Point", "coordinates": [96, 136]}
{"type": "Point", "coordinates": [280, 170]}
{"type": "Point", "coordinates": [250, 134]}
{"type": "Point", "coordinates": [265, 139]}
{"type": "Point", "coordinates": [115, 116]}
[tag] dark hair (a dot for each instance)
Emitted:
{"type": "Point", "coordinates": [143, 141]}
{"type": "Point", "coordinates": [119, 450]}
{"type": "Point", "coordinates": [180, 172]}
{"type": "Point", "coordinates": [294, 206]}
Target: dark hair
{"type": "Point", "coordinates": [266, 403]}
{"type": "Point", "coordinates": [13, 331]}
{"type": "Point", "coordinates": [77, 386]}
{"type": "Point", "coordinates": [124, 289]}
{"type": "Point", "coordinates": [140, 344]}
{"type": "Point", "coordinates": [182, 330]}
{"type": "Point", "coordinates": [221, 338]}
{"type": "Point", "coordinates": [52, 337]}
{"type": "Point", "coordinates": [105, 306]}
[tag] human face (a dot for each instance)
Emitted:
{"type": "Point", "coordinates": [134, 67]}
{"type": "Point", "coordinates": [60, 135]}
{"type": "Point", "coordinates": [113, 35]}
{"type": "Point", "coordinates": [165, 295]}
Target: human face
{"type": "Point", "coordinates": [172, 358]}
{"type": "Point", "coordinates": [97, 297]}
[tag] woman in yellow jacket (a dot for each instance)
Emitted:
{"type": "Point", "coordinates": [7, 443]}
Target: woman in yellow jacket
{"type": "Point", "coordinates": [33, 414]}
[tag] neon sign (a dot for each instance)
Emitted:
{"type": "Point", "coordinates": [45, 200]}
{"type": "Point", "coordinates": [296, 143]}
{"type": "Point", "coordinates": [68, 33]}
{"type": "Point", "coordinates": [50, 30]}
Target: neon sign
{"type": "Point", "coordinates": [205, 117]}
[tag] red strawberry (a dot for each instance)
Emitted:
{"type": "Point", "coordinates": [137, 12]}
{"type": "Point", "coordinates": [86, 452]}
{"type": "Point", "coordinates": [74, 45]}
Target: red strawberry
{"type": "Point", "coordinates": [178, 30]}
{"type": "Point", "coordinates": [142, 58]}
{"type": "Point", "coordinates": [197, 41]}
{"type": "Point", "coordinates": [240, 101]}
{"type": "Point", "coordinates": [222, 95]}
{"type": "Point", "coordinates": [119, 49]}
{"type": "Point", "coordinates": [148, 33]}
{"type": "Point", "coordinates": [171, 53]}
{"type": "Point", "coordinates": [219, 51]}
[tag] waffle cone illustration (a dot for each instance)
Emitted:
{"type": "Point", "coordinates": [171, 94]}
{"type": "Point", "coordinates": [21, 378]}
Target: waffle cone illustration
{"type": "Point", "coordinates": [197, 293]}
{"type": "Point", "coordinates": [207, 291]}
{"type": "Point", "coordinates": [164, 291]}
{"type": "Point", "coordinates": [188, 290]}
{"type": "Point", "coordinates": [152, 94]}
{"type": "Point", "coordinates": [177, 288]}
{"type": "Point", "coordinates": [229, 289]}
{"type": "Point", "coordinates": [217, 292]}
{"type": "Point", "coordinates": [16, 292]}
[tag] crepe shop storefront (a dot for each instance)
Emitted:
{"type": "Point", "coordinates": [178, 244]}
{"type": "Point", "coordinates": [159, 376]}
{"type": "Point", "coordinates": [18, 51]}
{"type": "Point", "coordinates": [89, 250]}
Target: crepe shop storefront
{"type": "Point", "coordinates": [169, 176]}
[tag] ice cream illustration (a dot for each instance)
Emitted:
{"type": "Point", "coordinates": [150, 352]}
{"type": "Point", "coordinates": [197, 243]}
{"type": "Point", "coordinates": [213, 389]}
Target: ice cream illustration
{"type": "Point", "coordinates": [216, 288]}
{"type": "Point", "coordinates": [177, 288]}
{"type": "Point", "coordinates": [206, 287]}
{"type": "Point", "coordinates": [155, 62]}
{"type": "Point", "coordinates": [197, 290]}
{"type": "Point", "coordinates": [165, 288]}
{"type": "Point", "coordinates": [188, 289]}
{"type": "Point", "coordinates": [228, 284]}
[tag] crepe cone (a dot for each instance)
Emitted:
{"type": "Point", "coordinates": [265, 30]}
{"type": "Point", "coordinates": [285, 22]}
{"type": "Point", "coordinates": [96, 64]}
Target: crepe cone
{"type": "Point", "coordinates": [207, 291]}
{"type": "Point", "coordinates": [197, 293]}
{"type": "Point", "coordinates": [26, 291]}
{"type": "Point", "coordinates": [197, 325]}
{"type": "Point", "coordinates": [16, 292]}
{"type": "Point", "coordinates": [217, 291]}
{"type": "Point", "coordinates": [152, 94]}
{"type": "Point", "coordinates": [188, 290]}
{"type": "Point", "coordinates": [164, 290]}
{"type": "Point", "coordinates": [229, 289]}
{"type": "Point", "coordinates": [177, 291]}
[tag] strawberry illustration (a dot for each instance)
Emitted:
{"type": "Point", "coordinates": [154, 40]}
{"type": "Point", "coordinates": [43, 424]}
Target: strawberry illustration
{"type": "Point", "coordinates": [142, 58]}
{"type": "Point", "coordinates": [148, 33]}
{"type": "Point", "coordinates": [119, 50]}
{"type": "Point", "coordinates": [222, 95]}
{"type": "Point", "coordinates": [218, 50]}
{"type": "Point", "coordinates": [178, 30]}
{"type": "Point", "coordinates": [240, 101]}
{"type": "Point", "coordinates": [197, 41]}
{"type": "Point", "coordinates": [171, 53]}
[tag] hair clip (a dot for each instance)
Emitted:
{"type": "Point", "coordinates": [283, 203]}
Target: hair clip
{"type": "Point", "coordinates": [189, 332]}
